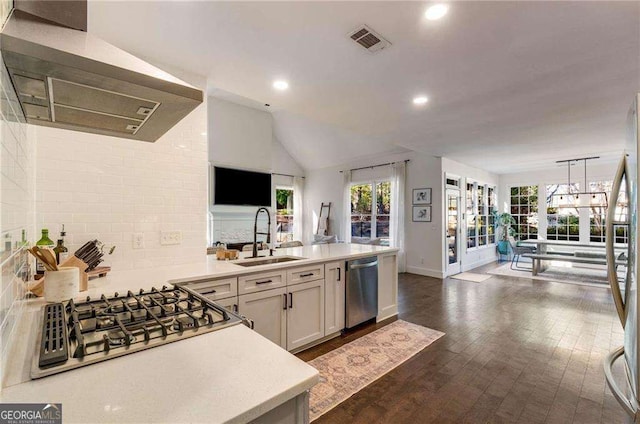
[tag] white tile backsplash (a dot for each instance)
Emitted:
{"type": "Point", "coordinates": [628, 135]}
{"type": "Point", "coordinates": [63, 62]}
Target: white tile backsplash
{"type": "Point", "coordinates": [108, 188]}
{"type": "Point", "coordinates": [17, 207]}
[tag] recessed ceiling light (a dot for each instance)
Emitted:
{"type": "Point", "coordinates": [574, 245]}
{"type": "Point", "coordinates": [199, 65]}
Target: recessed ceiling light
{"type": "Point", "coordinates": [436, 11]}
{"type": "Point", "coordinates": [420, 100]}
{"type": "Point", "coordinates": [280, 85]}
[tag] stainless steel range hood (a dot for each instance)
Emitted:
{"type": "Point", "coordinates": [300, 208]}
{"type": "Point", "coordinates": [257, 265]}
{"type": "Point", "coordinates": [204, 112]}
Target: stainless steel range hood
{"type": "Point", "coordinates": [66, 78]}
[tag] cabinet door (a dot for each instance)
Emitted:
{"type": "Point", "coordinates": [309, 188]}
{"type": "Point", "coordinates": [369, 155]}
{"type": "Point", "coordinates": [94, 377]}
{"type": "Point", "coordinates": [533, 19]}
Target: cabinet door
{"type": "Point", "coordinates": [305, 314]}
{"type": "Point", "coordinates": [267, 310]}
{"type": "Point", "coordinates": [230, 303]}
{"type": "Point", "coordinates": [387, 286]}
{"type": "Point", "coordinates": [334, 297]}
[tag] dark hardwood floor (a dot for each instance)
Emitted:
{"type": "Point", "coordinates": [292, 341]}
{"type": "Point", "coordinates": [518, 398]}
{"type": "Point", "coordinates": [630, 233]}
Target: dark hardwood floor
{"type": "Point", "coordinates": [515, 351]}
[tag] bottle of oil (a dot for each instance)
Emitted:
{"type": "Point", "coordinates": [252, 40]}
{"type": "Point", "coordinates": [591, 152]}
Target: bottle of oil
{"type": "Point", "coordinates": [61, 251]}
{"type": "Point", "coordinates": [45, 242]}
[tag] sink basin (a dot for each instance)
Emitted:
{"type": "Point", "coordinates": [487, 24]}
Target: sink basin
{"type": "Point", "coordinates": [268, 261]}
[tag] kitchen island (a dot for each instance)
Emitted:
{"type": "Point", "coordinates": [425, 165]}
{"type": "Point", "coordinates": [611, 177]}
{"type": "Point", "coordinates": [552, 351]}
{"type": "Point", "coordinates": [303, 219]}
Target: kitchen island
{"type": "Point", "coordinates": [230, 375]}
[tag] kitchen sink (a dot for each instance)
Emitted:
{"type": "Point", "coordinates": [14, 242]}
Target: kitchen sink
{"type": "Point", "coordinates": [268, 260]}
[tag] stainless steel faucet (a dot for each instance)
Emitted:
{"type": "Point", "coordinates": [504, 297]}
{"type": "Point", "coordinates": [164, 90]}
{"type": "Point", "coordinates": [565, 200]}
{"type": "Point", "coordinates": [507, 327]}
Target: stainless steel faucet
{"type": "Point", "coordinates": [255, 231]}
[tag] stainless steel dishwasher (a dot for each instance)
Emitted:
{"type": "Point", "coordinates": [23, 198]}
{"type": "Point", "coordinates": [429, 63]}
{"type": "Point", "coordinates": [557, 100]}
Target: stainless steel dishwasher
{"type": "Point", "coordinates": [361, 290]}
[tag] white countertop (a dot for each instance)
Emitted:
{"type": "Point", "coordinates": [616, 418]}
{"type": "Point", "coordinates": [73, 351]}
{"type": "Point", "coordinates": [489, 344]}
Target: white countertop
{"type": "Point", "coordinates": [230, 375]}
{"type": "Point", "coordinates": [233, 375]}
{"type": "Point", "coordinates": [207, 266]}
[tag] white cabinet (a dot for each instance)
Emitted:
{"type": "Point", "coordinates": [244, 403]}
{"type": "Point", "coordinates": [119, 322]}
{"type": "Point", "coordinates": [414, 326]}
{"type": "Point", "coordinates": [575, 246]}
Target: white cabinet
{"type": "Point", "coordinates": [305, 313]}
{"type": "Point", "coordinates": [387, 286]}
{"type": "Point", "coordinates": [290, 317]}
{"type": "Point", "coordinates": [230, 303]}
{"type": "Point", "coordinates": [268, 310]}
{"type": "Point", "coordinates": [334, 297]}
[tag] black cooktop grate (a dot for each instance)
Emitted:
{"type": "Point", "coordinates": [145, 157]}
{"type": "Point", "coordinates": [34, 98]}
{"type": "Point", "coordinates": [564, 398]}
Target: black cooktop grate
{"type": "Point", "coordinates": [53, 346]}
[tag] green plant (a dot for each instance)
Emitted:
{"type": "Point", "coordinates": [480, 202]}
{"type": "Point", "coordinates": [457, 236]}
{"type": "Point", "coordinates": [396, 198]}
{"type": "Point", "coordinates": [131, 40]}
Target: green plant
{"type": "Point", "coordinates": [504, 223]}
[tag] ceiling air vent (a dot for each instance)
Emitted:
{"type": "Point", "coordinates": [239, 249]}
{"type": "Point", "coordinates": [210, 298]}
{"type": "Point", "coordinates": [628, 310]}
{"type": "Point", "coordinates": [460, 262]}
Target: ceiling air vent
{"type": "Point", "coordinates": [369, 39]}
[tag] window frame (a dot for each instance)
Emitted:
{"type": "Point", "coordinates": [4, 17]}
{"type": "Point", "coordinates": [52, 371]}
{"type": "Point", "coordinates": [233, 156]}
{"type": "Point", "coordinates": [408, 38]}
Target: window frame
{"type": "Point", "coordinates": [479, 215]}
{"type": "Point", "coordinates": [568, 236]}
{"type": "Point", "coordinates": [532, 210]}
{"type": "Point", "coordinates": [374, 210]}
{"type": "Point", "coordinates": [292, 215]}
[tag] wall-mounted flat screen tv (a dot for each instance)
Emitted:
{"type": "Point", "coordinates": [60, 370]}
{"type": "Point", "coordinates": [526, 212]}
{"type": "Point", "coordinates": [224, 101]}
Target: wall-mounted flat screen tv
{"type": "Point", "coordinates": [241, 188]}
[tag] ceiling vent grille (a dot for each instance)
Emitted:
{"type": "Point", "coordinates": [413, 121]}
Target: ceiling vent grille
{"type": "Point", "coordinates": [369, 39]}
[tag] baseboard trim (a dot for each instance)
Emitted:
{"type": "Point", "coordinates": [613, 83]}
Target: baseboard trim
{"type": "Point", "coordinates": [425, 271]}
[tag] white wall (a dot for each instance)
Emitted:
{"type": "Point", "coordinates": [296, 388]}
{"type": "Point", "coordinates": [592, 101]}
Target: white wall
{"type": "Point", "coordinates": [239, 136]}
{"type": "Point", "coordinates": [424, 240]}
{"type": "Point", "coordinates": [242, 137]}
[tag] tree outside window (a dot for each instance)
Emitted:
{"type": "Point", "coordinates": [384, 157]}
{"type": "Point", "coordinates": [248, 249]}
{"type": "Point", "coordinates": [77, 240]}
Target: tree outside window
{"type": "Point", "coordinates": [563, 217]}
{"type": "Point", "coordinates": [524, 209]}
{"type": "Point", "coordinates": [598, 212]}
{"type": "Point", "coordinates": [284, 214]}
{"type": "Point", "coordinates": [371, 210]}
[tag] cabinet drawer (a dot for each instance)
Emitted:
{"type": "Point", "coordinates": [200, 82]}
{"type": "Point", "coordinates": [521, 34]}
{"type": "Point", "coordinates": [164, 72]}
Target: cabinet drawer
{"type": "Point", "coordinates": [215, 289]}
{"type": "Point", "coordinates": [304, 274]}
{"type": "Point", "coordinates": [263, 281]}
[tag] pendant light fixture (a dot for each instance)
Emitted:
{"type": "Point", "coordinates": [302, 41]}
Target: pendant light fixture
{"type": "Point", "coordinates": [571, 194]}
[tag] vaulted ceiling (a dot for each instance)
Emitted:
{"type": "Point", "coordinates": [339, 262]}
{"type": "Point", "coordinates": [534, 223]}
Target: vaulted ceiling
{"type": "Point", "coordinates": [510, 84]}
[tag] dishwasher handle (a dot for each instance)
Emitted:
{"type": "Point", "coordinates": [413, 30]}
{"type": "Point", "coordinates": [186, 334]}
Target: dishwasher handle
{"type": "Point", "coordinates": [367, 265]}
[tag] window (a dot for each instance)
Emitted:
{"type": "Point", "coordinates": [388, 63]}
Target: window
{"type": "Point", "coordinates": [524, 209]}
{"type": "Point", "coordinates": [371, 210]}
{"type": "Point", "coordinates": [480, 207]}
{"type": "Point", "coordinates": [471, 217]}
{"type": "Point", "coordinates": [491, 228]}
{"type": "Point", "coordinates": [482, 219]}
{"type": "Point", "coordinates": [284, 214]}
{"type": "Point", "coordinates": [598, 212]}
{"type": "Point", "coordinates": [563, 221]}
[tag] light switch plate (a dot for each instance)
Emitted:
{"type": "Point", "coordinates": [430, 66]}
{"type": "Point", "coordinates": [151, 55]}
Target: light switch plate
{"type": "Point", "coordinates": [170, 237]}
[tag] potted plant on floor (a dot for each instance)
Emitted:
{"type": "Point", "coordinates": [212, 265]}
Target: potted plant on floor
{"type": "Point", "coordinates": [504, 224]}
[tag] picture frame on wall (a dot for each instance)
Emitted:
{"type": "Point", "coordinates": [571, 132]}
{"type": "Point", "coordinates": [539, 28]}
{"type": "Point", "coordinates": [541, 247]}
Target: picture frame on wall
{"type": "Point", "coordinates": [422, 214]}
{"type": "Point", "coordinates": [421, 196]}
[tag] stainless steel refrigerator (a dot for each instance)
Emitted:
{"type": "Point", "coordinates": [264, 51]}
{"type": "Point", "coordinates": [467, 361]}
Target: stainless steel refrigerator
{"type": "Point", "coordinates": [623, 282]}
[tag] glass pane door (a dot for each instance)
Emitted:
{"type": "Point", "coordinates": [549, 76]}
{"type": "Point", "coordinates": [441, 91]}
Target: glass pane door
{"type": "Point", "coordinates": [453, 233]}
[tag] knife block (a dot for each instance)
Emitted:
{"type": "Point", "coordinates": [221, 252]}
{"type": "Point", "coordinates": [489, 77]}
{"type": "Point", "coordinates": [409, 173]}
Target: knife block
{"type": "Point", "coordinates": [82, 266]}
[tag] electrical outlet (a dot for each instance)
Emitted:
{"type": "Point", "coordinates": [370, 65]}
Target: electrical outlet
{"type": "Point", "coordinates": [138, 240]}
{"type": "Point", "coordinates": [421, 261]}
{"type": "Point", "coordinates": [170, 237]}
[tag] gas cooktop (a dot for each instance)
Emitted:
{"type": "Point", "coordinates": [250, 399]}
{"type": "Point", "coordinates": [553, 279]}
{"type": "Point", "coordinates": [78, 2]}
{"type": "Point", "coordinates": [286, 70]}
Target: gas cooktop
{"type": "Point", "coordinates": [75, 334]}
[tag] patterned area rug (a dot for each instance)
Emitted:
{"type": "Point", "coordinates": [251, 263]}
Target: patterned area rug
{"type": "Point", "coordinates": [348, 369]}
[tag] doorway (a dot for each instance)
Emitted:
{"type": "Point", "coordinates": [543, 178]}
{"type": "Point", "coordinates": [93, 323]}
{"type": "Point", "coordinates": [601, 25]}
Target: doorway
{"type": "Point", "coordinates": [452, 238]}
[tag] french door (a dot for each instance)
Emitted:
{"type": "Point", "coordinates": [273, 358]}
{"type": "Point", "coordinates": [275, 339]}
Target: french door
{"type": "Point", "coordinates": [452, 237]}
